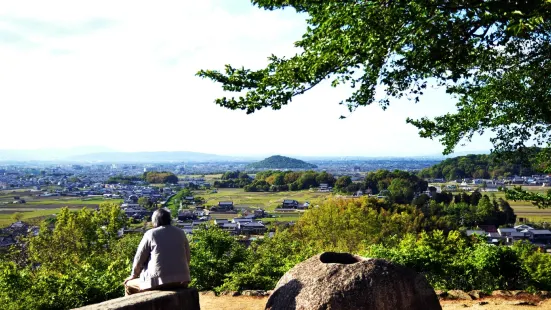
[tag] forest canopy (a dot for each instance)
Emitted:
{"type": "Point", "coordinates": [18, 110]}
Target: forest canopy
{"type": "Point", "coordinates": [281, 162]}
{"type": "Point", "coordinates": [160, 177]}
{"type": "Point", "coordinates": [480, 167]}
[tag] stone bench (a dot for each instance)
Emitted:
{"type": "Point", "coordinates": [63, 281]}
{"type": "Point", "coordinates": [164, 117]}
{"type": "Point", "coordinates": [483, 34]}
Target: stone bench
{"type": "Point", "coordinates": [187, 299]}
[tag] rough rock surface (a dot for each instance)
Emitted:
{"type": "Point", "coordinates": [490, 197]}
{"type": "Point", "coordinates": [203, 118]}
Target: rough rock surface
{"type": "Point", "coordinates": [477, 294]}
{"type": "Point", "coordinates": [441, 293]}
{"type": "Point", "coordinates": [254, 293]}
{"type": "Point", "coordinates": [230, 293]}
{"type": "Point", "coordinates": [459, 294]}
{"type": "Point", "coordinates": [501, 293]}
{"type": "Point", "coordinates": [187, 298]}
{"type": "Point", "coordinates": [344, 281]}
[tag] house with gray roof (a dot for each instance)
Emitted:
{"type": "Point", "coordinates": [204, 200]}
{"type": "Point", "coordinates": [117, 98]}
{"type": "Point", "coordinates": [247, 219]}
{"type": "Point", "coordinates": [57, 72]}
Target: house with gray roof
{"type": "Point", "coordinates": [252, 228]}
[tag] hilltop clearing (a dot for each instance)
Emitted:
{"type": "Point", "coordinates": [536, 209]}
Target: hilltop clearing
{"type": "Point", "coordinates": [258, 303]}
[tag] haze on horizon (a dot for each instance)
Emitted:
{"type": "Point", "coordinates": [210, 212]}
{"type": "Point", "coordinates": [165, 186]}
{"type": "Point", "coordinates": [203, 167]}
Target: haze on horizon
{"type": "Point", "coordinates": [121, 75]}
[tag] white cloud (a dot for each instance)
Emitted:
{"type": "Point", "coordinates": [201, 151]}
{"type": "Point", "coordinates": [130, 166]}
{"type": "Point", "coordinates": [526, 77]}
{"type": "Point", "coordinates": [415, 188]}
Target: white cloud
{"type": "Point", "coordinates": [122, 74]}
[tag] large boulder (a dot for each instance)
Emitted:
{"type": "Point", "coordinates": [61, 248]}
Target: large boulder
{"type": "Point", "coordinates": [344, 281]}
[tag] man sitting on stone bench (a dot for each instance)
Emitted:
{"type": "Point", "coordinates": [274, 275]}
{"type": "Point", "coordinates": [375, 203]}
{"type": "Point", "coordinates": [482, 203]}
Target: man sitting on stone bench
{"type": "Point", "coordinates": [162, 259]}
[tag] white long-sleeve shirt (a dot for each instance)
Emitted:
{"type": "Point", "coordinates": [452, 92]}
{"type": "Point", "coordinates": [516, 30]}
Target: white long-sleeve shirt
{"type": "Point", "coordinates": [163, 257]}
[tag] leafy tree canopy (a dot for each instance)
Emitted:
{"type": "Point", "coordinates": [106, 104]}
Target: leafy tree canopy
{"type": "Point", "coordinates": [160, 177]}
{"type": "Point", "coordinates": [483, 166]}
{"type": "Point", "coordinates": [491, 55]}
{"type": "Point", "coordinates": [342, 182]}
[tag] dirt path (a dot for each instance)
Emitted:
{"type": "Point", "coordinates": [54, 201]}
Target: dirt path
{"type": "Point", "coordinates": [494, 304]}
{"type": "Point", "coordinates": [257, 303]}
{"type": "Point", "coordinates": [232, 303]}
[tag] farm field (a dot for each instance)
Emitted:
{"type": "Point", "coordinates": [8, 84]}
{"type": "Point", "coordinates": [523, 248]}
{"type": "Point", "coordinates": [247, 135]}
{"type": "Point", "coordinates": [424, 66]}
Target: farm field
{"type": "Point", "coordinates": [278, 217]}
{"type": "Point", "coordinates": [253, 200]}
{"type": "Point", "coordinates": [31, 214]}
{"type": "Point", "coordinates": [269, 201]}
{"type": "Point", "coordinates": [266, 200]}
{"type": "Point", "coordinates": [41, 207]}
{"type": "Point", "coordinates": [525, 209]}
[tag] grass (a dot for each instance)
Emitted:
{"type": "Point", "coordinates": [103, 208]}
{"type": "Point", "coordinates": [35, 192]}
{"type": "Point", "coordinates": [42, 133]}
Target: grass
{"type": "Point", "coordinates": [287, 217]}
{"type": "Point", "coordinates": [268, 201]}
{"type": "Point", "coordinates": [6, 220]}
{"type": "Point", "coordinates": [38, 207]}
{"type": "Point", "coordinates": [526, 209]}
{"type": "Point", "coordinates": [73, 201]}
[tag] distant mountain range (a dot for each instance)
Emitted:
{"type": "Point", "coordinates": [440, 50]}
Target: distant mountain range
{"type": "Point", "coordinates": [49, 154]}
{"type": "Point", "coordinates": [94, 154]}
{"type": "Point", "coordinates": [179, 156]}
{"type": "Point", "coordinates": [91, 154]}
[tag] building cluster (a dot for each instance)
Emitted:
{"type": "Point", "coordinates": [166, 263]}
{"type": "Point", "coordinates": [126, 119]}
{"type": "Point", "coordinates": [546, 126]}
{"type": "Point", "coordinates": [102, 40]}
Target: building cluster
{"type": "Point", "coordinates": [195, 182]}
{"type": "Point", "coordinates": [10, 235]}
{"type": "Point", "coordinates": [292, 205]}
{"type": "Point", "coordinates": [31, 174]}
{"type": "Point", "coordinates": [131, 194]}
{"type": "Point", "coordinates": [532, 180]}
{"type": "Point", "coordinates": [65, 176]}
{"type": "Point", "coordinates": [349, 166]}
{"type": "Point", "coordinates": [540, 237]}
{"type": "Point", "coordinates": [17, 179]}
{"type": "Point", "coordinates": [246, 225]}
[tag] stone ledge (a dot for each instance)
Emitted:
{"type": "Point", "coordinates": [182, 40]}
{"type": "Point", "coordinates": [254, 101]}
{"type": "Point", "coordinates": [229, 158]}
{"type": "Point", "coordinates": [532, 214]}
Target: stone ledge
{"type": "Point", "coordinates": [187, 299]}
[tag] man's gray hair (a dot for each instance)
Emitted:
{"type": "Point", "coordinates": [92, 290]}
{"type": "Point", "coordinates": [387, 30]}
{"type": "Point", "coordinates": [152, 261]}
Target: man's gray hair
{"type": "Point", "coordinates": [161, 217]}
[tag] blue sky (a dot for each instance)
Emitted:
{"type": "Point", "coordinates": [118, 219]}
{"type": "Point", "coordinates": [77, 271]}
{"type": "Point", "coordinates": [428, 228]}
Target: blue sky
{"type": "Point", "coordinates": [121, 75]}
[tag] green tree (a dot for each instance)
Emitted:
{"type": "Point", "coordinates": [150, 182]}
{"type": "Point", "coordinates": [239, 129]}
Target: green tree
{"type": "Point", "coordinates": [325, 178]}
{"type": "Point", "coordinates": [307, 180]}
{"type": "Point", "coordinates": [349, 224]}
{"type": "Point", "coordinates": [401, 190]}
{"type": "Point", "coordinates": [76, 235]}
{"type": "Point", "coordinates": [279, 179]}
{"type": "Point", "coordinates": [268, 260]}
{"type": "Point", "coordinates": [160, 177]}
{"type": "Point", "coordinates": [538, 199]}
{"type": "Point", "coordinates": [228, 175]}
{"type": "Point", "coordinates": [214, 254]}
{"type": "Point", "coordinates": [80, 261]}
{"type": "Point", "coordinates": [450, 260]}
{"type": "Point", "coordinates": [485, 209]}
{"type": "Point", "coordinates": [475, 198]}
{"type": "Point", "coordinates": [342, 182]}
{"type": "Point", "coordinates": [477, 50]}
{"type": "Point", "coordinates": [291, 177]}
{"type": "Point", "coordinates": [507, 213]}
{"type": "Point", "coordinates": [535, 263]}
{"type": "Point", "coordinates": [144, 202]}
{"type": "Point", "coordinates": [17, 216]}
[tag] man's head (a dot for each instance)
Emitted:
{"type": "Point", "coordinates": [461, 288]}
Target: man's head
{"type": "Point", "coordinates": [161, 217]}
